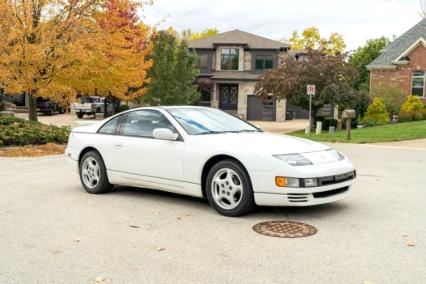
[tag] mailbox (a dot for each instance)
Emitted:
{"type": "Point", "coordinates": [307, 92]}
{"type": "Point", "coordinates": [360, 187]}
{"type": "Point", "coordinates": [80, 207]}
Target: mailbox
{"type": "Point", "coordinates": [348, 113]}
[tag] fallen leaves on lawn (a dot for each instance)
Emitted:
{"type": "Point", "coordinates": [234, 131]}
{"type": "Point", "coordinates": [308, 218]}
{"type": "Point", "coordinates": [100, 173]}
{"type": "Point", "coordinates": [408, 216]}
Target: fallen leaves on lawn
{"type": "Point", "coordinates": [76, 240]}
{"type": "Point", "coordinates": [160, 248]}
{"type": "Point", "coordinates": [100, 278]}
{"type": "Point", "coordinates": [33, 150]}
{"type": "Point", "coordinates": [410, 244]}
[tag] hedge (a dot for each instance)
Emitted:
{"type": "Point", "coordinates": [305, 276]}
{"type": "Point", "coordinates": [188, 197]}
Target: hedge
{"type": "Point", "coordinates": [19, 132]}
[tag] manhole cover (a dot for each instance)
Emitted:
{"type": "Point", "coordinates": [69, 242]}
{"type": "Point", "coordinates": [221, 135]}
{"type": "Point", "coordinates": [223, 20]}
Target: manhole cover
{"type": "Point", "coordinates": [284, 229]}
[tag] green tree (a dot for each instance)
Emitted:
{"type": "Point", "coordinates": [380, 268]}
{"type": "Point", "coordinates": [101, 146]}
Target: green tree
{"type": "Point", "coordinates": [311, 39]}
{"type": "Point", "coordinates": [363, 56]}
{"type": "Point", "coordinates": [188, 34]}
{"type": "Point", "coordinates": [331, 75]}
{"type": "Point", "coordinates": [173, 72]}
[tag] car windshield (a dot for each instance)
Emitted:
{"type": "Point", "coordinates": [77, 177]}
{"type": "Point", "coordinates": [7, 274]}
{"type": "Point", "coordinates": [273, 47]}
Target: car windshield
{"type": "Point", "coordinates": [197, 121]}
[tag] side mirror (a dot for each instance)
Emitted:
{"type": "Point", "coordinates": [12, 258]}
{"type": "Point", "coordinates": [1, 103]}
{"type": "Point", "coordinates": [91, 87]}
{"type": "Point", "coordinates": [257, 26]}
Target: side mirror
{"type": "Point", "coordinates": [164, 134]}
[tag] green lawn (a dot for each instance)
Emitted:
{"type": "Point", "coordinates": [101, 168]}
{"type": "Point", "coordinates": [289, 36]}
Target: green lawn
{"type": "Point", "coordinates": [384, 133]}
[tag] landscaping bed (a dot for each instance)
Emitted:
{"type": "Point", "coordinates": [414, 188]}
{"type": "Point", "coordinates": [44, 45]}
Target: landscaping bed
{"type": "Point", "coordinates": [376, 134]}
{"type": "Point", "coordinates": [19, 137]}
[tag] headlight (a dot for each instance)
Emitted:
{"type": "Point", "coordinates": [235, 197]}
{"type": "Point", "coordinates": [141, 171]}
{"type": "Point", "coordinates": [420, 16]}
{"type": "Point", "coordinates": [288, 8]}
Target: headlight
{"type": "Point", "coordinates": [294, 159]}
{"type": "Point", "coordinates": [336, 154]}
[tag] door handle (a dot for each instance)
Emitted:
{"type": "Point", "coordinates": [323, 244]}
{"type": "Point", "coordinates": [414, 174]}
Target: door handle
{"type": "Point", "coordinates": [118, 145]}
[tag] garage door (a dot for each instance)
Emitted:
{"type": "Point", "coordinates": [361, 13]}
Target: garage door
{"type": "Point", "coordinates": [258, 109]}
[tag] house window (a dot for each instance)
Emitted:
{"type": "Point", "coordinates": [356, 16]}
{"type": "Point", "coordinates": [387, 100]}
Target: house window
{"type": "Point", "coordinates": [264, 62]}
{"type": "Point", "coordinates": [418, 83]}
{"type": "Point", "coordinates": [202, 60]}
{"type": "Point", "coordinates": [229, 59]}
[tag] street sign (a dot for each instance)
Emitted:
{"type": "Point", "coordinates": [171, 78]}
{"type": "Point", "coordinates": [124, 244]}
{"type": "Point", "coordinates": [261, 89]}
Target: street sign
{"type": "Point", "coordinates": [310, 90]}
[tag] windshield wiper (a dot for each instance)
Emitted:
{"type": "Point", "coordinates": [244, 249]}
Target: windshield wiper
{"type": "Point", "coordinates": [214, 132]}
{"type": "Point", "coordinates": [249, 130]}
{"type": "Point", "coordinates": [227, 131]}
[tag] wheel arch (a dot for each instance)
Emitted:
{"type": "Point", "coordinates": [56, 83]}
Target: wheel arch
{"type": "Point", "coordinates": [213, 161]}
{"type": "Point", "coordinates": [85, 150]}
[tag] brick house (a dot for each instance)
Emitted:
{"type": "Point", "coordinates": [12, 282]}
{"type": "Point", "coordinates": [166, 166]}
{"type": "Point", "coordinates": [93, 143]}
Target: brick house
{"type": "Point", "coordinates": [403, 62]}
{"type": "Point", "coordinates": [233, 62]}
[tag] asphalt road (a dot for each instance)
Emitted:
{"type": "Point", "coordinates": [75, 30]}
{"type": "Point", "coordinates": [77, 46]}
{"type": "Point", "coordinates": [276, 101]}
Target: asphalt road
{"type": "Point", "coordinates": [51, 231]}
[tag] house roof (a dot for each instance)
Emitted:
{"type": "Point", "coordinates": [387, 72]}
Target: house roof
{"type": "Point", "coordinates": [405, 43]}
{"type": "Point", "coordinates": [237, 37]}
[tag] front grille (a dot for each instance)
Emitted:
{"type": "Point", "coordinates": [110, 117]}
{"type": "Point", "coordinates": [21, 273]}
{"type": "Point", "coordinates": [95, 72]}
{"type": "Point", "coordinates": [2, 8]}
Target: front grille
{"type": "Point", "coordinates": [328, 193]}
{"type": "Point", "coordinates": [336, 179]}
{"type": "Point", "coordinates": [297, 197]}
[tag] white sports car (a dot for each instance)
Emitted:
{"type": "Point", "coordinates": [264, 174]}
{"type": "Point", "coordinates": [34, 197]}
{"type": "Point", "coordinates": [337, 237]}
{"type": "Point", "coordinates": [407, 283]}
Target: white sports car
{"type": "Point", "coordinates": [205, 152]}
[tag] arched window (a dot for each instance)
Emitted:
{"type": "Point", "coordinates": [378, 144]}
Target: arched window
{"type": "Point", "coordinates": [418, 88]}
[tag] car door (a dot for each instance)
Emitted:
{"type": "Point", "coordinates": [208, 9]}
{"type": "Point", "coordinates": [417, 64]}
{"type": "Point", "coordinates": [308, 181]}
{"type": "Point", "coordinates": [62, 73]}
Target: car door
{"type": "Point", "coordinates": [143, 160]}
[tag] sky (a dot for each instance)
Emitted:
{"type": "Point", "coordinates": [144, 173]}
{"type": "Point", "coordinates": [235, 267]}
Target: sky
{"type": "Point", "coordinates": [356, 20]}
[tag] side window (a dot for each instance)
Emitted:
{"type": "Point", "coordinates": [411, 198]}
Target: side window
{"type": "Point", "coordinates": [142, 123]}
{"type": "Point", "coordinates": [110, 126]}
{"type": "Point", "coordinates": [418, 83]}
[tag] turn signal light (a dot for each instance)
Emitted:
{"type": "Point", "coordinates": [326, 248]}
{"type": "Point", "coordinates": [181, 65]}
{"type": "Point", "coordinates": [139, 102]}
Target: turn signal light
{"type": "Point", "coordinates": [287, 182]}
{"type": "Point", "coordinates": [281, 181]}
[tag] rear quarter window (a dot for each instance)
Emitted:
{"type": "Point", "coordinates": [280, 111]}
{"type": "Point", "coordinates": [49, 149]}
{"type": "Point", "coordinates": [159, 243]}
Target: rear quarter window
{"type": "Point", "coordinates": [111, 126]}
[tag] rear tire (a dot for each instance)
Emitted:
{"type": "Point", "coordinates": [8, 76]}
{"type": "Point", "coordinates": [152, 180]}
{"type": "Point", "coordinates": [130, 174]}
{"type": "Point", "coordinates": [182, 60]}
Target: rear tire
{"type": "Point", "coordinates": [93, 174]}
{"type": "Point", "coordinates": [80, 115]}
{"type": "Point", "coordinates": [229, 189]}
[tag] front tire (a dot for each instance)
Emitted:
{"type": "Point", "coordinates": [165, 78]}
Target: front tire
{"type": "Point", "coordinates": [93, 174]}
{"type": "Point", "coordinates": [229, 189]}
{"type": "Point", "coordinates": [79, 115]}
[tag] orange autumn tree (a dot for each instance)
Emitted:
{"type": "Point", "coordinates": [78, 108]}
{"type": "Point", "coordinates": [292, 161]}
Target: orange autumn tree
{"type": "Point", "coordinates": [41, 46]}
{"type": "Point", "coordinates": [119, 57]}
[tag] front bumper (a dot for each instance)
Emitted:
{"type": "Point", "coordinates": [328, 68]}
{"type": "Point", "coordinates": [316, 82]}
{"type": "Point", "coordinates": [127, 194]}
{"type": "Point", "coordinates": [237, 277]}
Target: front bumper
{"type": "Point", "coordinates": [266, 193]}
{"type": "Point", "coordinates": [320, 195]}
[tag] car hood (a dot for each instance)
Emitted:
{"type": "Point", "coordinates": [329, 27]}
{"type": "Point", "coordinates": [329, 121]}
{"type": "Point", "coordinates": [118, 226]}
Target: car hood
{"type": "Point", "coordinates": [266, 142]}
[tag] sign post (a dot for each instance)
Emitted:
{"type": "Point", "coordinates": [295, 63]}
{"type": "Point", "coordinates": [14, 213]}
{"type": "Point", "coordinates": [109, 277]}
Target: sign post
{"type": "Point", "coordinates": [310, 91]}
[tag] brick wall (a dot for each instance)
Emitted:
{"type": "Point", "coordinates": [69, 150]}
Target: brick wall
{"type": "Point", "coordinates": [403, 73]}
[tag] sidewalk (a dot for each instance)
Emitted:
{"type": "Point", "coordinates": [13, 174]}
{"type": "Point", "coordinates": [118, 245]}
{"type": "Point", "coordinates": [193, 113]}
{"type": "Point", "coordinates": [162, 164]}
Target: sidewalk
{"type": "Point", "coordinates": [409, 144]}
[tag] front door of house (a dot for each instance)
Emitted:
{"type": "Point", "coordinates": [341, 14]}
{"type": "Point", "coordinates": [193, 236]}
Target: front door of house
{"type": "Point", "coordinates": [228, 96]}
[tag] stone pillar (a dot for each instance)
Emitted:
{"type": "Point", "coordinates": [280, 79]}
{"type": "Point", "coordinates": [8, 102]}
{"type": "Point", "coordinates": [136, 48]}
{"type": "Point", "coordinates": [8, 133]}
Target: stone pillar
{"type": "Point", "coordinates": [280, 111]}
{"type": "Point", "coordinates": [215, 96]}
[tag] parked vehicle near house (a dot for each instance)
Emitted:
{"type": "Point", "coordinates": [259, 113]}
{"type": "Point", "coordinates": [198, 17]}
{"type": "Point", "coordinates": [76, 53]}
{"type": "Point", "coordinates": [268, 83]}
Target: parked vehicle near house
{"type": "Point", "coordinates": [90, 105]}
{"type": "Point", "coordinates": [48, 107]}
{"type": "Point", "coordinates": [205, 152]}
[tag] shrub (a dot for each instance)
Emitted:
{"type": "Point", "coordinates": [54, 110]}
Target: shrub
{"type": "Point", "coordinates": [361, 103]}
{"type": "Point", "coordinates": [405, 117]}
{"type": "Point", "coordinates": [412, 104]}
{"type": "Point", "coordinates": [329, 121]}
{"type": "Point", "coordinates": [376, 113]}
{"type": "Point", "coordinates": [122, 108]}
{"type": "Point", "coordinates": [19, 132]}
{"type": "Point", "coordinates": [412, 109]}
{"type": "Point", "coordinates": [391, 94]}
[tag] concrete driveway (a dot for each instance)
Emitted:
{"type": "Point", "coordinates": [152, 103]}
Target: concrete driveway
{"type": "Point", "coordinates": [51, 231]}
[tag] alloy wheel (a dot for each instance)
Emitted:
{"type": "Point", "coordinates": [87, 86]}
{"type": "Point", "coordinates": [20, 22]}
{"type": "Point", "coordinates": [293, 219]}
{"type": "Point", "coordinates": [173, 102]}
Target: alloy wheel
{"type": "Point", "coordinates": [227, 188]}
{"type": "Point", "coordinates": [91, 172]}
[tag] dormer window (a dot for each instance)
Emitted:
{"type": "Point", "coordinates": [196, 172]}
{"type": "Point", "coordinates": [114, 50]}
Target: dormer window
{"type": "Point", "coordinates": [418, 88]}
{"type": "Point", "coordinates": [229, 59]}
